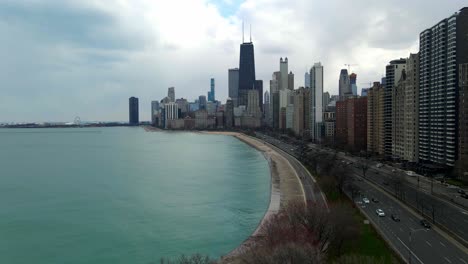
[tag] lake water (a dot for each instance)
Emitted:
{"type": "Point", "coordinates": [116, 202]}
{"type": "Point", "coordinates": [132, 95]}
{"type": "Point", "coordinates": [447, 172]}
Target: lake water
{"type": "Point", "coordinates": [123, 195]}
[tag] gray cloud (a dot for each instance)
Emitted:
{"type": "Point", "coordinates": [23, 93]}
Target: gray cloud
{"type": "Point", "coordinates": [60, 59]}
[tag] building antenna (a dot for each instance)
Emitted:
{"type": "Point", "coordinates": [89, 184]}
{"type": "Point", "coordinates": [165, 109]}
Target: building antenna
{"type": "Point", "coordinates": [250, 33]}
{"type": "Point", "coordinates": [242, 31]}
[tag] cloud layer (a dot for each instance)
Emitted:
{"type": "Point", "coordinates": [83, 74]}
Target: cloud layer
{"type": "Point", "coordinates": [61, 59]}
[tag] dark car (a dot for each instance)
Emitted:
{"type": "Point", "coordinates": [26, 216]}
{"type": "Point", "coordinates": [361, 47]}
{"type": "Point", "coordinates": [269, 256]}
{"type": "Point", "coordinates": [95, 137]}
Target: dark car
{"type": "Point", "coordinates": [464, 196]}
{"type": "Point", "coordinates": [375, 200]}
{"type": "Point", "coordinates": [395, 217]}
{"type": "Point", "coordinates": [425, 223]}
{"type": "Point", "coordinates": [385, 182]}
{"type": "Point", "coordinates": [460, 191]}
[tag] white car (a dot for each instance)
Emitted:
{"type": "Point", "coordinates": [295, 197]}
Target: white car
{"type": "Point", "coordinates": [380, 212]}
{"type": "Point", "coordinates": [365, 200]}
{"type": "Point", "coordinates": [379, 165]}
{"type": "Point", "coordinates": [411, 173]}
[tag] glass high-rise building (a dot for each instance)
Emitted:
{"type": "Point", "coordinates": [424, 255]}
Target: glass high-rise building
{"type": "Point", "coordinates": [133, 111]}
{"type": "Point", "coordinates": [246, 71]}
{"type": "Point", "coordinates": [211, 93]}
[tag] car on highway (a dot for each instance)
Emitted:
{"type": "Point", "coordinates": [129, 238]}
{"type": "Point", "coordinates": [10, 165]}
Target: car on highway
{"type": "Point", "coordinates": [411, 173]}
{"type": "Point", "coordinates": [365, 200]}
{"type": "Point", "coordinates": [385, 183]}
{"type": "Point", "coordinates": [425, 223]}
{"type": "Point", "coordinates": [460, 191]}
{"type": "Point", "coordinates": [380, 212]}
{"type": "Point", "coordinates": [379, 165]}
{"type": "Point", "coordinates": [375, 200]}
{"type": "Point", "coordinates": [395, 217]}
{"type": "Point", "coordinates": [464, 196]}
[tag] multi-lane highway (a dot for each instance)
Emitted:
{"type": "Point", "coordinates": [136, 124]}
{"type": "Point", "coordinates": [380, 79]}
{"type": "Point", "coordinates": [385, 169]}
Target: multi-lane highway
{"type": "Point", "coordinates": [453, 219]}
{"type": "Point", "coordinates": [425, 245]}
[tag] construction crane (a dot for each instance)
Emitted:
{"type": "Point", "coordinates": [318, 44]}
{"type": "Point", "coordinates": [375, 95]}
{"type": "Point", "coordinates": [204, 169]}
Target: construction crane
{"type": "Point", "coordinates": [349, 66]}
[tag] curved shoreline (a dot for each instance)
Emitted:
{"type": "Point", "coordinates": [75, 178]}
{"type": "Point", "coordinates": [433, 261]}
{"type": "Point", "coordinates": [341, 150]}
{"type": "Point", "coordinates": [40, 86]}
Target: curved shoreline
{"type": "Point", "coordinates": [285, 187]}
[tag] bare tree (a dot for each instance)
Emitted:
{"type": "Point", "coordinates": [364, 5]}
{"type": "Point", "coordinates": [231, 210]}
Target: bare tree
{"type": "Point", "coordinates": [397, 182]}
{"type": "Point", "coordinates": [353, 259]}
{"type": "Point", "coordinates": [345, 227]}
{"type": "Point", "coordinates": [365, 165]}
{"type": "Point", "coordinates": [194, 259]}
{"type": "Point", "coordinates": [342, 176]}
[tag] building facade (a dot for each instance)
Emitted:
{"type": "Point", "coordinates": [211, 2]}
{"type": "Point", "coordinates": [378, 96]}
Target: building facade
{"type": "Point", "coordinates": [442, 49]}
{"type": "Point", "coordinates": [133, 109]}
{"type": "Point", "coordinates": [463, 120]}
{"type": "Point", "coordinates": [316, 100]}
{"type": "Point", "coordinates": [154, 112]}
{"type": "Point", "coordinates": [393, 72]}
{"type": "Point", "coordinates": [375, 119]}
{"type": "Point", "coordinates": [246, 71]}
{"type": "Point", "coordinates": [171, 94]}
{"type": "Point", "coordinates": [233, 84]}
{"type": "Point", "coordinates": [344, 85]}
{"type": "Point", "coordinates": [411, 109]}
{"type": "Point", "coordinates": [291, 81]}
{"type": "Point", "coordinates": [211, 93]}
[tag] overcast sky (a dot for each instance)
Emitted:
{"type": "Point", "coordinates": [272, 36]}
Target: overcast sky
{"type": "Point", "coordinates": [60, 59]}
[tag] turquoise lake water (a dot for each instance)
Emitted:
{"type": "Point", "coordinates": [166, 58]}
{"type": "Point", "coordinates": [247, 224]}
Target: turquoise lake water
{"type": "Point", "coordinates": [123, 195]}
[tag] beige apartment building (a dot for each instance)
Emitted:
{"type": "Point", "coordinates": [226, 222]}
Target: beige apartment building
{"type": "Point", "coordinates": [405, 112]}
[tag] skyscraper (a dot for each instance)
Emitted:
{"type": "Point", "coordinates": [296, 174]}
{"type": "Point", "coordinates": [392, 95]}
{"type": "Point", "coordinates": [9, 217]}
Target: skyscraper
{"type": "Point", "coordinates": [375, 119]}
{"type": "Point", "coordinates": [229, 113]}
{"type": "Point", "coordinates": [154, 111]}
{"type": "Point", "coordinates": [463, 112]}
{"type": "Point", "coordinates": [442, 49]}
{"type": "Point", "coordinates": [283, 74]}
{"type": "Point", "coordinates": [266, 108]}
{"type": "Point", "coordinates": [393, 73]}
{"type": "Point", "coordinates": [202, 102]}
{"type": "Point", "coordinates": [171, 94]}
{"type": "Point", "coordinates": [259, 87]}
{"type": "Point", "coordinates": [133, 111]}
{"type": "Point", "coordinates": [246, 71]}
{"type": "Point", "coordinates": [344, 84]}
{"type": "Point", "coordinates": [316, 100]}
{"type": "Point", "coordinates": [352, 82]}
{"type": "Point", "coordinates": [211, 93]}
{"type": "Point", "coordinates": [233, 83]}
{"type": "Point", "coordinates": [307, 80]}
{"type": "Point", "coordinates": [326, 100]}
{"type": "Point", "coordinates": [291, 81]}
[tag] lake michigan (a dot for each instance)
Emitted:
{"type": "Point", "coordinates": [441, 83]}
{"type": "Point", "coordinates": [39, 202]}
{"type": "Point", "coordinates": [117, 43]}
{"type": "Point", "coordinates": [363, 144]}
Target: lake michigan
{"type": "Point", "coordinates": [124, 195]}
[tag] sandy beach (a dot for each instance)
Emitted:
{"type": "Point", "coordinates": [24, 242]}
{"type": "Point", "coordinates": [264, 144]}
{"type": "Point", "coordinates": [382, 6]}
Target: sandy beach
{"type": "Point", "coordinates": [285, 187]}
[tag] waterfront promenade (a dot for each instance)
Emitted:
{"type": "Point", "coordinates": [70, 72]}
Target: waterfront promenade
{"type": "Point", "coordinates": [286, 186]}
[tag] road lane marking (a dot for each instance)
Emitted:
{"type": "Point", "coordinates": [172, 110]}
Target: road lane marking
{"type": "Point", "coordinates": [463, 261]}
{"type": "Point", "coordinates": [448, 260]}
{"type": "Point", "coordinates": [427, 242]}
{"type": "Point", "coordinates": [442, 244]}
{"type": "Point", "coordinates": [412, 253]}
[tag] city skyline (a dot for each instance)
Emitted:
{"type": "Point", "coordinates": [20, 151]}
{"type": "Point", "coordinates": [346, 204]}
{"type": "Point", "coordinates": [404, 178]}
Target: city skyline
{"type": "Point", "coordinates": [95, 67]}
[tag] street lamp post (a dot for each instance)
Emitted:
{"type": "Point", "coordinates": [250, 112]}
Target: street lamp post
{"type": "Point", "coordinates": [410, 242]}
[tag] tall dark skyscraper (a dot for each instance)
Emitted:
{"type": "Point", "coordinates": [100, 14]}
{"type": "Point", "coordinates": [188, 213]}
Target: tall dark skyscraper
{"type": "Point", "coordinates": [211, 93]}
{"type": "Point", "coordinates": [246, 71]}
{"type": "Point", "coordinates": [133, 111]}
